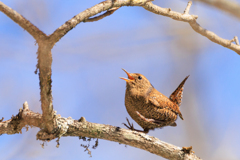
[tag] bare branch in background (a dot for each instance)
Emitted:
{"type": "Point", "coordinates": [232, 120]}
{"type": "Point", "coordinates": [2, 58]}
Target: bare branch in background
{"type": "Point", "coordinates": [191, 19]}
{"type": "Point", "coordinates": [229, 6]}
{"type": "Point", "coordinates": [103, 6]}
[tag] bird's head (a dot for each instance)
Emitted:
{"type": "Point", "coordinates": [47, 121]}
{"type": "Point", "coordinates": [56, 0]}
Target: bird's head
{"type": "Point", "coordinates": [137, 82]}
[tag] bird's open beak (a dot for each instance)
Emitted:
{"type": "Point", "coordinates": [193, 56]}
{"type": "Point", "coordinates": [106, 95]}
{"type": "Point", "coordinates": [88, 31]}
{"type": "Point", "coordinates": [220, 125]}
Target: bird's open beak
{"type": "Point", "coordinates": [129, 76]}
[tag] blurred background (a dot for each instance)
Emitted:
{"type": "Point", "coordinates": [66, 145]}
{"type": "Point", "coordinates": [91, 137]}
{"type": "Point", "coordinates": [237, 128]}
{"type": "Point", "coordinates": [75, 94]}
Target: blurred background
{"type": "Point", "coordinates": [87, 65]}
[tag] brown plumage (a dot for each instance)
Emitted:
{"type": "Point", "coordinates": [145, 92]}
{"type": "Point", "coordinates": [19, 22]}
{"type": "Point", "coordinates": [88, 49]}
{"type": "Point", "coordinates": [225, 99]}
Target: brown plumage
{"type": "Point", "coordinates": [148, 107]}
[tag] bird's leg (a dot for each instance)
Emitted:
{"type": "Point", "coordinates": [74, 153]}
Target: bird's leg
{"type": "Point", "coordinates": [130, 126]}
{"type": "Point", "coordinates": [143, 118]}
{"type": "Point", "coordinates": [149, 120]}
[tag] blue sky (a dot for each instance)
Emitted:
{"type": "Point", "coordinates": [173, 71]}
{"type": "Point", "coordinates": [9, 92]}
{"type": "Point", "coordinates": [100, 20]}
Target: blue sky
{"type": "Point", "coordinates": [87, 65]}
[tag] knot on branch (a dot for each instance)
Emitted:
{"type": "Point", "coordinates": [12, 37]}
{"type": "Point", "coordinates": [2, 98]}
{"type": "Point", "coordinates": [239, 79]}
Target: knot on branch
{"type": "Point", "coordinates": [235, 39]}
{"type": "Point", "coordinates": [82, 119]}
{"type": "Point", "coordinates": [187, 150]}
{"type": "Point", "coordinates": [16, 121]}
{"type": "Point", "coordinates": [44, 136]}
{"type": "Point", "coordinates": [62, 125]}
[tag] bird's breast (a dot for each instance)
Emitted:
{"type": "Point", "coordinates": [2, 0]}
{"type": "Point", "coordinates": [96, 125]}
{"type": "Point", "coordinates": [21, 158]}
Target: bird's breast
{"type": "Point", "coordinates": [133, 103]}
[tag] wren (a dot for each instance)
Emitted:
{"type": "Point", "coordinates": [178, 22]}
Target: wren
{"type": "Point", "coordinates": [148, 107]}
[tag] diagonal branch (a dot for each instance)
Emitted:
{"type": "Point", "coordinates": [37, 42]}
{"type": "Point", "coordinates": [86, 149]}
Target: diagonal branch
{"type": "Point", "coordinates": [128, 137]}
{"type": "Point", "coordinates": [215, 38]}
{"type": "Point", "coordinates": [23, 22]}
{"type": "Point", "coordinates": [191, 19]}
{"type": "Point", "coordinates": [82, 128]}
{"type": "Point", "coordinates": [108, 13]}
{"type": "Point", "coordinates": [83, 16]}
{"type": "Point", "coordinates": [229, 6]}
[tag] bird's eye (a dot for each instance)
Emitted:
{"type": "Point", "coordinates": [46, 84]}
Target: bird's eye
{"type": "Point", "coordinates": [139, 77]}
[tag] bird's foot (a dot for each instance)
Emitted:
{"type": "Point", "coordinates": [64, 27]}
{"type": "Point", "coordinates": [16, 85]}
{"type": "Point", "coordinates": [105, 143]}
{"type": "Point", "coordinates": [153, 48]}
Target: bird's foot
{"type": "Point", "coordinates": [130, 126]}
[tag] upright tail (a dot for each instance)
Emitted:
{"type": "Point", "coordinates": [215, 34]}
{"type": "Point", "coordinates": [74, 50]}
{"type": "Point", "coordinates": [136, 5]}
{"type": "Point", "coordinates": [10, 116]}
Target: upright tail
{"type": "Point", "coordinates": [176, 96]}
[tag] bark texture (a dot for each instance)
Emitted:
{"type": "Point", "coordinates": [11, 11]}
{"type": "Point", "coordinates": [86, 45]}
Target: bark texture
{"type": "Point", "coordinates": [82, 128]}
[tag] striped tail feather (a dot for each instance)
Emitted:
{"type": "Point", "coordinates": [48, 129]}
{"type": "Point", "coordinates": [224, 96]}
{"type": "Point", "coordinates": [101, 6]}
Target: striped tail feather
{"type": "Point", "coordinates": [177, 95]}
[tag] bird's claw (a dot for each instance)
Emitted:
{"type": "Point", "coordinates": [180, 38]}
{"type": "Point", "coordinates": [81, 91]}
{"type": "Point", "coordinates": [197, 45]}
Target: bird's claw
{"type": "Point", "coordinates": [129, 126]}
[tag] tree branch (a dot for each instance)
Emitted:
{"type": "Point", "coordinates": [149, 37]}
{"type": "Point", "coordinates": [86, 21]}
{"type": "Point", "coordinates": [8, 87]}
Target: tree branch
{"type": "Point", "coordinates": [82, 128]}
{"type": "Point", "coordinates": [186, 11]}
{"type": "Point", "coordinates": [215, 38]}
{"type": "Point", "coordinates": [226, 5]}
{"type": "Point", "coordinates": [103, 6]}
{"type": "Point", "coordinates": [186, 17]}
{"type": "Point", "coordinates": [45, 73]}
{"type": "Point", "coordinates": [128, 137]}
{"type": "Point", "coordinates": [191, 19]}
{"type": "Point", "coordinates": [21, 21]}
{"type": "Point", "coordinates": [24, 118]}
{"type": "Point", "coordinates": [84, 16]}
{"type": "Point", "coordinates": [44, 63]}
{"type": "Point", "coordinates": [108, 13]}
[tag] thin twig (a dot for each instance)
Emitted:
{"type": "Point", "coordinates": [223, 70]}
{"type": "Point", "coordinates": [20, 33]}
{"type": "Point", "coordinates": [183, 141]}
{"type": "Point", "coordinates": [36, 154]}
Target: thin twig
{"type": "Point", "coordinates": [186, 11]}
{"type": "Point", "coordinates": [235, 39]}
